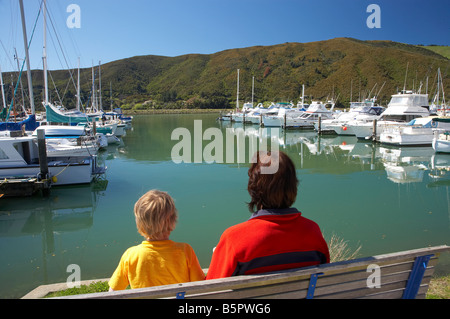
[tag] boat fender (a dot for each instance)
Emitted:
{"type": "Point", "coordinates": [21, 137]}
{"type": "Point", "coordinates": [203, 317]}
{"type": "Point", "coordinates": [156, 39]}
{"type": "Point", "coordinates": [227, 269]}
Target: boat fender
{"type": "Point", "coordinates": [54, 179]}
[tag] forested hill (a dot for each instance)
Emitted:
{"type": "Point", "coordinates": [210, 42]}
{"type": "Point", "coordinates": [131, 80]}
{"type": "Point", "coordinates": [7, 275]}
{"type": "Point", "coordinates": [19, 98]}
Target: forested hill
{"type": "Point", "coordinates": [336, 67]}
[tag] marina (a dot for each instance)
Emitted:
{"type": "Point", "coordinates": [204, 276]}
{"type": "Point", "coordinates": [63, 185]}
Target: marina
{"type": "Point", "coordinates": [373, 171]}
{"type": "Point", "coordinates": [382, 198]}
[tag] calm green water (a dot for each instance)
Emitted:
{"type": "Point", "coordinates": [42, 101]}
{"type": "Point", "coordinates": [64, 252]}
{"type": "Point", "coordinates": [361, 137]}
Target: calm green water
{"type": "Point", "coordinates": [384, 199]}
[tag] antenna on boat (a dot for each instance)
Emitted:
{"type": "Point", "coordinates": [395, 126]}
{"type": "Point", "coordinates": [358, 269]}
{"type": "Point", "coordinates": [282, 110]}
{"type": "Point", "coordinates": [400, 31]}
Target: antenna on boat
{"type": "Point", "coordinates": [303, 95]}
{"type": "Point", "coordinates": [406, 75]}
{"type": "Point", "coordinates": [378, 93]}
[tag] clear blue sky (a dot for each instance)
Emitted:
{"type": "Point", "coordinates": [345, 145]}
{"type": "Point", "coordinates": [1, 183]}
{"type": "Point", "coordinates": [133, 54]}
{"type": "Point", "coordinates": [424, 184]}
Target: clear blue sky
{"type": "Point", "coordinates": [117, 29]}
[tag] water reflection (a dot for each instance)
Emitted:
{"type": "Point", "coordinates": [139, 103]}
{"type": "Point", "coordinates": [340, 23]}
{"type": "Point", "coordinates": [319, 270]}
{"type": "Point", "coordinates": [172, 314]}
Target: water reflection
{"type": "Point", "coordinates": [402, 164]}
{"type": "Point", "coordinates": [66, 209]}
{"type": "Point", "coordinates": [39, 235]}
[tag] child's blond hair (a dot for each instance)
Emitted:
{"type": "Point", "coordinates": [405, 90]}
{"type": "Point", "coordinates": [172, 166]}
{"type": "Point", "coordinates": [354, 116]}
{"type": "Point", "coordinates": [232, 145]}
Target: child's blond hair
{"type": "Point", "coordinates": [155, 215]}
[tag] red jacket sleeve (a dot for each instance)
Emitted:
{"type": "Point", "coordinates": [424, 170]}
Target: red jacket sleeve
{"type": "Point", "coordinates": [223, 261]}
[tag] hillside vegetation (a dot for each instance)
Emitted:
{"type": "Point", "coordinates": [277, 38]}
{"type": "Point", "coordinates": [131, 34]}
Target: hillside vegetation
{"type": "Point", "coordinates": [338, 67]}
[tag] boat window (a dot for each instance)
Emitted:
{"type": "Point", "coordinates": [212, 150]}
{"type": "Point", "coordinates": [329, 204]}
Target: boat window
{"type": "Point", "coordinates": [24, 150]}
{"type": "Point", "coordinates": [3, 155]}
{"type": "Point", "coordinates": [399, 100]}
{"type": "Point", "coordinates": [397, 118]}
{"type": "Point", "coordinates": [420, 100]}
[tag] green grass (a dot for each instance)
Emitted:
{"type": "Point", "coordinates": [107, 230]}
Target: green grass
{"type": "Point", "coordinates": [440, 49]}
{"type": "Point", "coordinates": [98, 286]}
{"type": "Point", "coordinates": [439, 288]}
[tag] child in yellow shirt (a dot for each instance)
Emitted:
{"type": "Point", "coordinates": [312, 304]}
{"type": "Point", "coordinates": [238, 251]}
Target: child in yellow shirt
{"type": "Point", "coordinates": [157, 260]}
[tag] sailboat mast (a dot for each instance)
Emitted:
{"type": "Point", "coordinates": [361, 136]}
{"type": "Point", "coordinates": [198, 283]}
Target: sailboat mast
{"type": "Point", "coordinates": [110, 95]}
{"type": "Point", "coordinates": [20, 81]}
{"type": "Point", "coordinates": [3, 89]}
{"type": "Point", "coordinates": [78, 86]}
{"type": "Point", "coordinates": [253, 88]}
{"type": "Point", "coordinates": [94, 108]}
{"type": "Point", "coordinates": [27, 57]}
{"type": "Point", "coordinates": [44, 54]}
{"type": "Point", "coordinates": [100, 85]}
{"type": "Point", "coordinates": [437, 96]}
{"type": "Point", "coordinates": [237, 94]}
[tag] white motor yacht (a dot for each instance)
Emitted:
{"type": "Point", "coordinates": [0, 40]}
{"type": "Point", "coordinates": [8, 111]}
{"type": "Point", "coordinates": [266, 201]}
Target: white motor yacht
{"type": "Point", "coordinates": [361, 113]}
{"type": "Point", "coordinates": [403, 108]}
{"type": "Point", "coordinates": [307, 119]}
{"type": "Point", "coordinates": [418, 132]}
{"type": "Point", "coordinates": [19, 158]}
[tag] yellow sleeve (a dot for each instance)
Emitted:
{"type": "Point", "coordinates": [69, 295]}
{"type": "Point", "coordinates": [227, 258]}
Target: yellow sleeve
{"type": "Point", "coordinates": [195, 270]}
{"type": "Point", "coordinates": [119, 279]}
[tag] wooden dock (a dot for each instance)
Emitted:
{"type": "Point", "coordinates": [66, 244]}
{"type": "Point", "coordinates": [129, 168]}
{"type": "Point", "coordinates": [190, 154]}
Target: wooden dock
{"type": "Point", "coordinates": [19, 187]}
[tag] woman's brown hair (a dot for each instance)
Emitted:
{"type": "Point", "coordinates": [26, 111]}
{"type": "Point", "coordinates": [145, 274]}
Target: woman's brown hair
{"type": "Point", "coordinates": [276, 190]}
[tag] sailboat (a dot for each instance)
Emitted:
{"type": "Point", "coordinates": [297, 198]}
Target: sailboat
{"type": "Point", "coordinates": [111, 128]}
{"type": "Point", "coordinates": [67, 164]}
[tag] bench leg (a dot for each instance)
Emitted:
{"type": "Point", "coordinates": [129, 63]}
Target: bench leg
{"type": "Point", "coordinates": [416, 276]}
{"type": "Point", "coordinates": [312, 285]}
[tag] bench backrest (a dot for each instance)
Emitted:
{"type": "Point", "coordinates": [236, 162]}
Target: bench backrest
{"type": "Point", "coordinates": [398, 275]}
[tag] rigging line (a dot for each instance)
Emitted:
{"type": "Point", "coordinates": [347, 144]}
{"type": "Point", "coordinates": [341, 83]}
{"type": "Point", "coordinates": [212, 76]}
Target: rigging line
{"type": "Point", "coordinates": [61, 47]}
{"type": "Point", "coordinates": [7, 54]}
{"type": "Point", "coordinates": [56, 89]}
{"type": "Point", "coordinates": [70, 35]}
{"type": "Point", "coordinates": [66, 89]}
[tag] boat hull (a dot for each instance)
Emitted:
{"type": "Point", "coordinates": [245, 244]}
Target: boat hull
{"type": "Point", "coordinates": [441, 145]}
{"type": "Point", "coordinates": [272, 121]}
{"type": "Point", "coordinates": [59, 173]}
{"type": "Point", "coordinates": [406, 139]}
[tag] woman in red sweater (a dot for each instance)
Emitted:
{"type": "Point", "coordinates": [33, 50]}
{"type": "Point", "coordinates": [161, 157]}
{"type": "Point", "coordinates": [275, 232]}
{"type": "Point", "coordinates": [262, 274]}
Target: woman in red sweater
{"type": "Point", "coordinates": [277, 236]}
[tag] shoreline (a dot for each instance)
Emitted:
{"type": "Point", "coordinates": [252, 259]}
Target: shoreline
{"type": "Point", "coordinates": [174, 111]}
